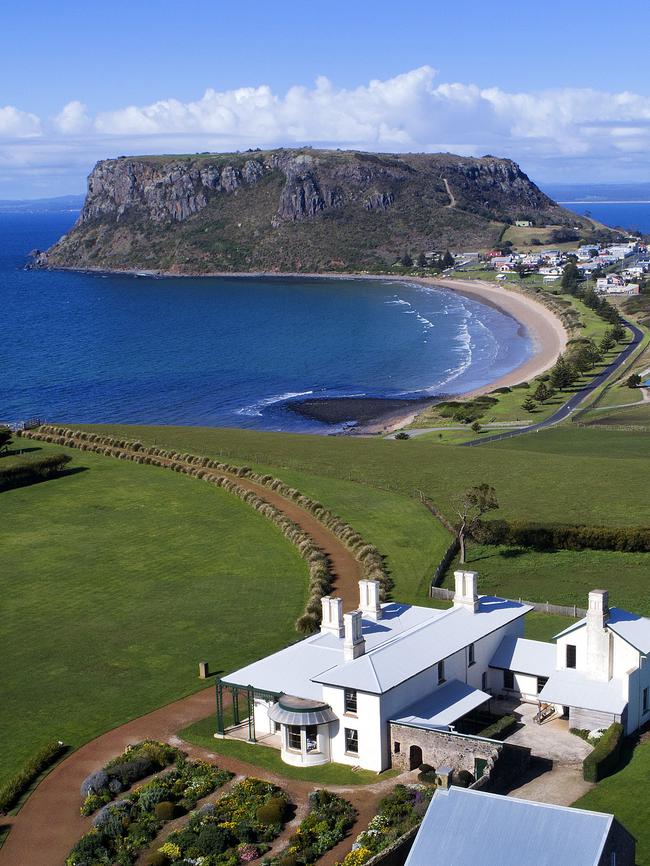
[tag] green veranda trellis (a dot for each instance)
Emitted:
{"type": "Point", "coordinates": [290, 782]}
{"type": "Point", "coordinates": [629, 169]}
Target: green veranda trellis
{"type": "Point", "coordinates": [235, 691]}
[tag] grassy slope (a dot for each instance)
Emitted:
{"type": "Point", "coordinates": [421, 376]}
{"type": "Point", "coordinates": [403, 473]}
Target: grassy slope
{"type": "Point", "coordinates": [115, 582]}
{"type": "Point", "coordinates": [625, 795]}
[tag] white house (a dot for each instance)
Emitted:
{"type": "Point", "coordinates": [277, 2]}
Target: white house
{"type": "Point", "coordinates": [333, 695]}
{"type": "Point", "coordinates": [465, 827]}
{"type": "Point", "coordinates": [597, 672]}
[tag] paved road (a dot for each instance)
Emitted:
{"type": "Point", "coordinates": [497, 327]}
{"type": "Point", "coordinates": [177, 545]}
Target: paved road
{"type": "Point", "coordinates": [573, 402]}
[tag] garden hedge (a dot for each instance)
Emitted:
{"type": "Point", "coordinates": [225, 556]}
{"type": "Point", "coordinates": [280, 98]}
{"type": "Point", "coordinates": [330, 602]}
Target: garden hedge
{"type": "Point", "coordinates": [321, 577]}
{"type": "Point", "coordinates": [565, 536]}
{"type": "Point", "coordinates": [16, 787]}
{"type": "Point", "coordinates": [499, 729]}
{"type": "Point", "coordinates": [32, 471]}
{"type": "Point", "coordinates": [606, 755]}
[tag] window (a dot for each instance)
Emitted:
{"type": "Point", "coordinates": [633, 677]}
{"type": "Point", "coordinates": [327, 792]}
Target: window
{"type": "Point", "coordinates": [541, 682]}
{"type": "Point", "coordinates": [311, 732]}
{"type": "Point", "coordinates": [508, 680]}
{"type": "Point", "coordinates": [441, 672]}
{"type": "Point", "coordinates": [397, 747]}
{"type": "Point", "coordinates": [472, 659]}
{"type": "Point", "coordinates": [570, 655]}
{"type": "Point", "coordinates": [484, 682]}
{"type": "Point", "coordinates": [352, 741]}
{"type": "Point", "coordinates": [295, 740]}
{"type": "Point", "coordinates": [646, 700]}
{"type": "Point", "coordinates": [351, 701]}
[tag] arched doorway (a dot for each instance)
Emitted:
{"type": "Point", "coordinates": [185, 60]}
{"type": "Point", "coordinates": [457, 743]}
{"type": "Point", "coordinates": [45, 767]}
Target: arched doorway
{"type": "Point", "coordinates": [415, 757]}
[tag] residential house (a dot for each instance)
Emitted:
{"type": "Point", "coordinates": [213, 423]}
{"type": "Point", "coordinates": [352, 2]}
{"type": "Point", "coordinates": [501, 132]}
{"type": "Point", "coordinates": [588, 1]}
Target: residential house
{"type": "Point", "coordinates": [340, 694]}
{"type": "Point", "coordinates": [596, 674]}
{"type": "Point", "coordinates": [524, 224]}
{"type": "Point", "coordinates": [464, 827]}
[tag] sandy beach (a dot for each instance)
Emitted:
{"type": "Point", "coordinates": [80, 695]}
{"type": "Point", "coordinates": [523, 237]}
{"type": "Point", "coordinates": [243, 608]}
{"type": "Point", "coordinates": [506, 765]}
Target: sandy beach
{"type": "Point", "coordinates": [378, 415]}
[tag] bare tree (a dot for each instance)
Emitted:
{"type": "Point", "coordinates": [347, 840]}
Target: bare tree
{"type": "Point", "coordinates": [470, 507]}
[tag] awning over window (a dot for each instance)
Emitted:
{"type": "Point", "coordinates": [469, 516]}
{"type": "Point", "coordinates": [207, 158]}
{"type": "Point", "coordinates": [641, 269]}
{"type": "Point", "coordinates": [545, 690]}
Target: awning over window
{"type": "Point", "coordinates": [290, 710]}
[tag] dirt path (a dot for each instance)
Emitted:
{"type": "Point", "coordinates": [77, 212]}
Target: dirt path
{"type": "Point", "coordinates": [452, 199]}
{"type": "Point", "coordinates": [49, 823]}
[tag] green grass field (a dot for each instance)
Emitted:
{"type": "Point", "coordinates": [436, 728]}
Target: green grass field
{"type": "Point", "coordinates": [625, 795]}
{"type": "Point", "coordinates": [115, 582]}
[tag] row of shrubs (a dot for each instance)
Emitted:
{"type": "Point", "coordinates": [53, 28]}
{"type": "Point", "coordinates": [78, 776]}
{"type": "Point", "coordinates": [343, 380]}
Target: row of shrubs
{"type": "Point", "coordinates": [236, 828]}
{"type": "Point", "coordinates": [366, 554]}
{"type": "Point", "coordinates": [13, 790]}
{"type": "Point", "coordinates": [398, 813]}
{"type": "Point", "coordinates": [499, 729]}
{"type": "Point", "coordinates": [136, 762]}
{"type": "Point", "coordinates": [606, 756]}
{"type": "Point", "coordinates": [329, 819]}
{"type": "Point", "coordinates": [565, 536]}
{"type": "Point", "coordinates": [122, 829]}
{"type": "Point", "coordinates": [32, 471]}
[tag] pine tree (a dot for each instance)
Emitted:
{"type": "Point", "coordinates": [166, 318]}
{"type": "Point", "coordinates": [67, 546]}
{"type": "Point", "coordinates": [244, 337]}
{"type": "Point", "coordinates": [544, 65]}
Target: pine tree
{"type": "Point", "coordinates": [528, 405]}
{"type": "Point", "coordinates": [422, 261]}
{"type": "Point", "coordinates": [447, 260]}
{"type": "Point", "coordinates": [543, 393]}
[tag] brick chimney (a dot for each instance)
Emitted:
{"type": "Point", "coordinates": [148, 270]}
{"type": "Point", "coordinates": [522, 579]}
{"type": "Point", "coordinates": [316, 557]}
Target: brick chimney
{"type": "Point", "coordinates": [354, 644]}
{"type": "Point", "coordinates": [369, 603]}
{"type": "Point", "coordinates": [466, 592]}
{"type": "Point", "coordinates": [332, 616]}
{"type": "Point", "coordinates": [598, 636]}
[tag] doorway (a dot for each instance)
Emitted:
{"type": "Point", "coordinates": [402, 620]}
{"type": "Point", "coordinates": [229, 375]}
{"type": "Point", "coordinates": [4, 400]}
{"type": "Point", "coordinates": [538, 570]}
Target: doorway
{"type": "Point", "coordinates": [415, 757]}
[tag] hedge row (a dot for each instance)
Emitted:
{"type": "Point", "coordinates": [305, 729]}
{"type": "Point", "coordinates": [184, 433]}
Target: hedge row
{"type": "Point", "coordinates": [203, 467]}
{"type": "Point", "coordinates": [31, 471]}
{"type": "Point", "coordinates": [499, 729]}
{"type": "Point", "coordinates": [606, 756]}
{"type": "Point", "coordinates": [565, 536]}
{"type": "Point", "coordinates": [16, 787]}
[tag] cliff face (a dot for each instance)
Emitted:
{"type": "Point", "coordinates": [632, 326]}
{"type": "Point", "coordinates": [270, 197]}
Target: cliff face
{"type": "Point", "coordinates": [293, 210]}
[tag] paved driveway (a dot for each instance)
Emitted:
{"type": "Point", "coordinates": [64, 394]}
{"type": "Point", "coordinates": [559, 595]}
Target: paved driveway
{"type": "Point", "coordinates": [550, 740]}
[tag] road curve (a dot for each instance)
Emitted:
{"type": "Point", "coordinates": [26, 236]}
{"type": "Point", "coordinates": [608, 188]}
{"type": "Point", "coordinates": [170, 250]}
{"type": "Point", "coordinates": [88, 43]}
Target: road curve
{"type": "Point", "coordinates": [573, 402]}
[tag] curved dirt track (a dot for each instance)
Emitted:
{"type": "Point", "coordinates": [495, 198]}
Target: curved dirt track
{"type": "Point", "coordinates": [49, 823]}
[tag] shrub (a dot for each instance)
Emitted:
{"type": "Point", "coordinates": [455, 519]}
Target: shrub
{"type": "Point", "coordinates": [271, 812]}
{"type": "Point", "coordinates": [16, 786]}
{"type": "Point", "coordinates": [94, 783]}
{"type": "Point", "coordinates": [32, 471]}
{"type": "Point", "coordinates": [158, 858]}
{"type": "Point", "coordinates": [565, 536]}
{"type": "Point", "coordinates": [402, 435]}
{"type": "Point", "coordinates": [606, 755]}
{"type": "Point", "coordinates": [463, 779]}
{"type": "Point", "coordinates": [499, 729]}
{"type": "Point", "coordinates": [428, 777]}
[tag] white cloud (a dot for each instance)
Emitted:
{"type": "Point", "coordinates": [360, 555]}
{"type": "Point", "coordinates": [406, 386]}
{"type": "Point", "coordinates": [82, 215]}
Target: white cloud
{"type": "Point", "coordinates": [550, 132]}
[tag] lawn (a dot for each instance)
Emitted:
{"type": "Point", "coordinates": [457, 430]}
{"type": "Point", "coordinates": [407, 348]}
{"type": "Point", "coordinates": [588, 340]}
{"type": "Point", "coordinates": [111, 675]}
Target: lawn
{"type": "Point", "coordinates": [633, 416]}
{"type": "Point", "coordinates": [116, 581]}
{"type": "Point", "coordinates": [625, 794]}
{"type": "Point", "coordinates": [202, 734]}
{"type": "Point", "coordinates": [562, 576]}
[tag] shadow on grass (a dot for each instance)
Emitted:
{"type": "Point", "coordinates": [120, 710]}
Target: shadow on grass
{"type": "Point", "coordinates": [74, 470]}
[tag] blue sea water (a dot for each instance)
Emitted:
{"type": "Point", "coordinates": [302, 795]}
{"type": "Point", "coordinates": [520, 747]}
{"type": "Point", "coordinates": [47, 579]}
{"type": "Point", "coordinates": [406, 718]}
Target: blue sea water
{"type": "Point", "coordinates": [634, 215]}
{"type": "Point", "coordinates": [80, 347]}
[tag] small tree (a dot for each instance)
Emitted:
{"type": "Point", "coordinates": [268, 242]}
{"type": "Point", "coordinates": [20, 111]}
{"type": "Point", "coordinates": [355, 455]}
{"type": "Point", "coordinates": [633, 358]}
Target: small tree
{"type": "Point", "coordinates": [406, 261]}
{"type": "Point", "coordinates": [633, 381]}
{"type": "Point", "coordinates": [607, 342]}
{"type": "Point", "coordinates": [422, 261]}
{"type": "Point", "coordinates": [543, 393]}
{"type": "Point", "coordinates": [528, 405]}
{"type": "Point", "coordinates": [617, 332]}
{"type": "Point", "coordinates": [563, 374]}
{"type": "Point", "coordinates": [5, 439]}
{"type": "Point", "coordinates": [470, 507]}
{"type": "Point", "coordinates": [447, 260]}
{"type": "Point", "coordinates": [476, 426]}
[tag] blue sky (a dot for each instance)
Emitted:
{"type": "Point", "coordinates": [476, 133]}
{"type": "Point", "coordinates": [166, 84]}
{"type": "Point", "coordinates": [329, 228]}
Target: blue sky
{"type": "Point", "coordinates": [565, 92]}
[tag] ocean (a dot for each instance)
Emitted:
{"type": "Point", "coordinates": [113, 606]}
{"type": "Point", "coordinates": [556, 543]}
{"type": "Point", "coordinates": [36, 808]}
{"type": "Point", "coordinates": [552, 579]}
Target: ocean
{"type": "Point", "coordinates": [634, 215]}
{"type": "Point", "coordinates": [79, 347]}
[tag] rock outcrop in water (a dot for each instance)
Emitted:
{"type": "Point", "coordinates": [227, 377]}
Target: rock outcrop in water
{"type": "Point", "coordinates": [292, 210]}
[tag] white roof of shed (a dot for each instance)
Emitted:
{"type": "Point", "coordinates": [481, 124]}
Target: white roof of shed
{"type": "Point", "coordinates": [444, 706]}
{"type": "Point", "coordinates": [405, 641]}
{"type": "Point", "coordinates": [573, 689]}
{"type": "Point", "coordinates": [631, 627]}
{"type": "Point", "coordinates": [464, 827]}
{"type": "Point", "coordinates": [525, 656]}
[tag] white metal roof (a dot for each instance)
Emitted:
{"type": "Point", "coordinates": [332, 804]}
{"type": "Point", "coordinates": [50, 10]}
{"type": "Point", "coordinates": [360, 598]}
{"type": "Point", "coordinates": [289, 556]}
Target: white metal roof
{"type": "Point", "coordinates": [525, 656]}
{"type": "Point", "coordinates": [444, 706]}
{"type": "Point", "coordinates": [631, 627]}
{"type": "Point", "coordinates": [573, 689]}
{"type": "Point", "coordinates": [407, 640]}
{"type": "Point", "coordinates": [465, 827]}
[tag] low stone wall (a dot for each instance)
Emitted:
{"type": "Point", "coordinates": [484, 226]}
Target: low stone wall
{"type": "Point", "coordinates": [395, 854]}
{"type": "Point", "coordinates": [441, 748]}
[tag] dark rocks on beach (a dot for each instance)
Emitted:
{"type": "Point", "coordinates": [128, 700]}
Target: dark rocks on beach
{"type": "Point", "coordinates": [362, 410]}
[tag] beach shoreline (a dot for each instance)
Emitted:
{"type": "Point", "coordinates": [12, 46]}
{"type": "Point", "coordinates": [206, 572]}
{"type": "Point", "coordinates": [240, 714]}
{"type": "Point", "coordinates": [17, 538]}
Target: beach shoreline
{"type": "Point", "coordinates": [548, 335]}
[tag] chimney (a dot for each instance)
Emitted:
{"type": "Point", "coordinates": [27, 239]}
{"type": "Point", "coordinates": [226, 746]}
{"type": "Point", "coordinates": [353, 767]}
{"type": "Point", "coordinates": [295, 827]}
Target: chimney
{"type": "Point", "coordinates": [332, 616]}
{"type": "Point", "coordinates": [354, 644]}
{"type": "Point", "coordinates": [466, 594]}
{"type": "Point", "coordinates": [598, 636]}
{"type": "Point", "coordinates": [369, 599]}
